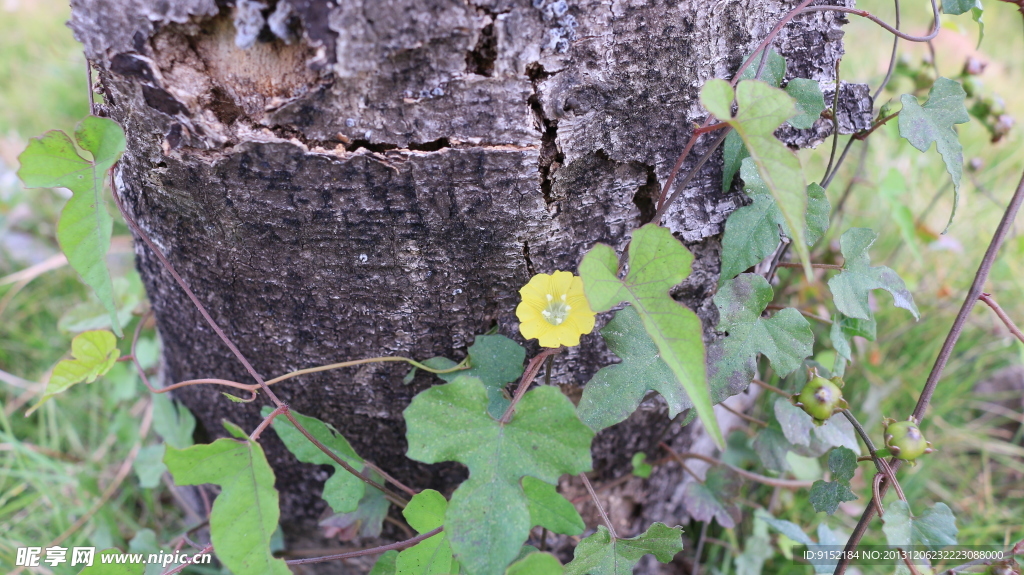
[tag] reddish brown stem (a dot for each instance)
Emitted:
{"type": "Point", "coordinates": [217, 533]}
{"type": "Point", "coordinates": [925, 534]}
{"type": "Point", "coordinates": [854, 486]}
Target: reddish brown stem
{"type": "Point", "coordinates": [600, 508]}
{"type": "Point", "coordinates": [987, 298]}
{"type": "Point", "coordinates": [882, 23]}
{"type": "Point", "coordinates": [875, 126]}
{"type": "Point", "coordinates": [711, 128]}
{"type": "Point", "coordinates": [376, 550]}
{"type": "Point", "coordinates": [524, 383]}
{"type": "Point", "coordinates": [267, 421]}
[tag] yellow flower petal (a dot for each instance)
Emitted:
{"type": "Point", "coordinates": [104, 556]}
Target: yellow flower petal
{"type": "Point", "coordinates": [554, 310]}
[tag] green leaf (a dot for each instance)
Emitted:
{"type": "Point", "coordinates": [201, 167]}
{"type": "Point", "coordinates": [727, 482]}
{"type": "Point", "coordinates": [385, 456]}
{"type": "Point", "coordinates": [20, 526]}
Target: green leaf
{"type": "Point", "coordinates": [851, 287]}
{"type": "Point", "coordinates": [977, 12]}
{"type": "Point", "coordinates": [496, 360]}
{"type": "Point", "coordinates": [368, 517]}
{"type": "Point", "coordinates": [600, 554]}
{"type": "Point", "coordinates": [536, 564]}
{"type": "Point", "coordinates": [773, 72]}
{"type": "Point", "coordinates": [92, 314]}
{"type": "Point", "coordinates": [657, 263]}
{"type": "Point", "coordinates": [550, 510]}
{"type": "Point", "coordinates": [826, 496]}
{"type": "Point", "coordinates": [812, 440]}
{"type": "Point", "coordinates": [432, 556]}
{"type": "Point", "coordinates": [752, 232]}
{"type": "Point", "coordinates": [933, 122]}
{"type": "Point", "coordinates": [712, 499]}
{"type": "Point", "coordinates": [343, 490]}
{"type": "Point", "coordinates": [810, 102]}
{"type": "Point", "coordinates": [616, 390]}
{"type": "Point", "coordinates": [149, 465]}
{"type": "Point", "coordinates": [385, 564]}
{"type": "Point", "coordinates": [934, 529]}
{"type": "Point", "coordinates": [733, 154]}
{"type": "Point", "coordinates": [842, 462]}
{"type": "Point", "coordinates": [761, 110]}
{"type": "Point", "coordinates": [84, 229]}
{"type": "Point", "coordinates": [98, 567]}
{"type": "Point", "coordinates": [172, 421]}
{"type": "Point", "coordinates": [94, 353]}
{"type": "Point", "coordinates": [844, 328]}
{"type": "Point", "coordinates": [544, 440]}
{"type": "Point", "coordinates": [787, 528]}
{"type": "Point", "coordinates": [245, 513]}
{"type": "Point", "coordinates": [641, 468]}
{"type": "Point", "coordinates": [785, 338]}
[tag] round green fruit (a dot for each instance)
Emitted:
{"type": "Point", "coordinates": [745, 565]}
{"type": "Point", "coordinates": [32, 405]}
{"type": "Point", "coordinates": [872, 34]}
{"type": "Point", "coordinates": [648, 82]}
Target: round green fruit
{"type": "Point", "coordinates": [905, 440]}
{"type": "Point", "coordinates": [820, 398]}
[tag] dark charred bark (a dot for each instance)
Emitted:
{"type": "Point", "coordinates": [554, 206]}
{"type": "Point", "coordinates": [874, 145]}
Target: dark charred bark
{"type": "Point", "coordinates": [362, 178]}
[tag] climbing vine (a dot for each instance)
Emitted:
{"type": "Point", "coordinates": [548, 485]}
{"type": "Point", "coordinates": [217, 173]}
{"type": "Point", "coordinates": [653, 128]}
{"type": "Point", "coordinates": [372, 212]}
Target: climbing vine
{"type": "Point", "coordinates": [518, 438]}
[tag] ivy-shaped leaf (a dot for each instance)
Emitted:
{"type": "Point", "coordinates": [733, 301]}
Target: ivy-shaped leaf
{"type": "Point", "coordinates": [809, 439]}
{"type": "Point", "coordinates": [496, 360]}
{"type": "Point", "coordinates": [712, 499]}
{"type": "Point", "coordinates": [616, 390]}
{"type": "Point", "coordinates": [601, 554]}
{"type": "Point", "coordinates": [432, 556]}
{"type": "Point", "coordinates": [94, 353]}
{"type": "Point", "coordinates": [810, 102]}
{"type": "Point", "coordinates": [753, 232]}
{"type": "Point", "coordinates": [773, 71]}
{"type": "Point", "coordinates": [957, 7]}
{"type": "Point", "coordinates": [785, 338]}
{"type": "Point", "coordinates": [851, 287]}
{"type": "Point", "coordinates": [536, 564]}
{"type": "Point", "coordinates": [933, 122]}
{"type": "Point", "coordinates": [84, 229]}
{"type": "Point", "coordinates": [827, 495]}
{"type": "Point", "coordinates": [550, 510]}
{"type": "Point", "coordinates": [245, 513]}
{"type": "Point", "coordinates": [367, 518]}
{"type": "Point", "coordinates": [543, 440]}
{"type": "Point", "coordinates": [933, 529]}
{"type": "Point", "coordinates": [342, 491]}
{"type": "Point", "coordinates": [657, 263]}
{"type": "Point", "coordinates": [844, 328]}
{"type": "Point", "coordinates": [761, 110]}
{"type": "Point", "coordinates": [149, 465]}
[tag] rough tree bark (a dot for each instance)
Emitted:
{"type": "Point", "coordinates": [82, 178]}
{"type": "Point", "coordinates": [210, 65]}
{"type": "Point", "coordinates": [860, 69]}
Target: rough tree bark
{"type": "Point", "coordinates": [368, 177]}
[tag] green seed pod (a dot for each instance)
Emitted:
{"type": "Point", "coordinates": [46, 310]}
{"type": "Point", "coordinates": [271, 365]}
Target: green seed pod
{"type": "Point", "coordinates": [905, 440]}
{"type": "Point", "coordinates": [821, 397]}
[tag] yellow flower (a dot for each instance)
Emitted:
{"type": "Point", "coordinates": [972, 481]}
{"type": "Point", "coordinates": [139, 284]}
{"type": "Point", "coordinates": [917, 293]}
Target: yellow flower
{"type": "Point", "coordinates": [554, 310]}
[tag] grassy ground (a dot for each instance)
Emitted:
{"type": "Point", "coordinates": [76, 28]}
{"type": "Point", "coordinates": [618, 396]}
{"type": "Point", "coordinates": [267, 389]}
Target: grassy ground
{"type": "Point", "coordinates": [55, 465]}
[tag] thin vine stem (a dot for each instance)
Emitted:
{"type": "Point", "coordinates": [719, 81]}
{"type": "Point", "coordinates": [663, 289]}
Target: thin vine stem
{"type": "Point", "coordinates": [868, 15]}
{"type": "Point", "coordinates": [892, 58]}
{"type": "Point", "coordinates": [374, 551]}
{"type": "Point", "coordinates": [945, 352]}
{"type": "Point", "coordinates": [524, 383]}
{"type": "Point", "coordinates": [991, 302]}
{"type": "Point", "coordinates": [600, 507]}
{"type": "Point", "coordinates": [880, 464]}
{"type": "Point", "coordinates": [835, 123]}
{"type": "Point", "coordinates": [771, 388]}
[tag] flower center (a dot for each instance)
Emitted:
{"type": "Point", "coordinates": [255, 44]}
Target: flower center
{"type": "Point", "coordinates": [557, 310]}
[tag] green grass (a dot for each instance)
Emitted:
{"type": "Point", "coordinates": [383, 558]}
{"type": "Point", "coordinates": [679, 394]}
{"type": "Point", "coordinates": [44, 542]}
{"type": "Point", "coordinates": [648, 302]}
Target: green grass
{"type": "Point", "coordinates": [55, 464]}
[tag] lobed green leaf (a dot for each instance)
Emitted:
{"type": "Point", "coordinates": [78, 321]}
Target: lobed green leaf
{"type": "Point", "coordinates": [657, 263]}
{"type": "Point", "coordinates": [93, 353]}
{"type": "Point", "coordinates": [84, 228]}
{"type": "Point", "coordinates": [851, 287]}
{"type": "Point", "coordinates": [933, 122]}
{"type": "Point", "coordinates": [245, 514]}
{"type": "Point", "coordinates": [602, 554]}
